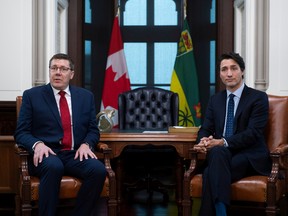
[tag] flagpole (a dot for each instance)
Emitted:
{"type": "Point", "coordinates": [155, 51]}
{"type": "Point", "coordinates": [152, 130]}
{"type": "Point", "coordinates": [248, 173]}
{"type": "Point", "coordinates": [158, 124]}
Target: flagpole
{"type": "Point", "coordinates": [185, 8]}
{"type": "Point", "coordinates": [118, 9]}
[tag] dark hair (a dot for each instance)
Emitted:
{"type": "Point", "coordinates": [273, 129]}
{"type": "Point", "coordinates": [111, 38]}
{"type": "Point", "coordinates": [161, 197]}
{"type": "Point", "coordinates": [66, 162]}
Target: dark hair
{"type": "Point", "coordinates": [65, 57]}
{"type": "Point", "coordinates": [231, 55]}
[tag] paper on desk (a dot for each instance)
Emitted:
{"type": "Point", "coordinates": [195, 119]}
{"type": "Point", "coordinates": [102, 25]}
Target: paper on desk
{"type": "Point", "coordinates": [155, 131]}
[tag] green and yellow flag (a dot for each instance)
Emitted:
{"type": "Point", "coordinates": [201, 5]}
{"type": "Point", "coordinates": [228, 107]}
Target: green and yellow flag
{"type": "Point", "coordinates": [185, 81]}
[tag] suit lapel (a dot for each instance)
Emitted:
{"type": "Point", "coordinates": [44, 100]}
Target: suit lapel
{"type": "Point", "coordinates": [75, 106]}
{"type": "Point", "coordinates": [49, 98]}
{"type": "Point", "coordinates": [222, 110]}
{"type": "Point", "coordinates": [242, 104]}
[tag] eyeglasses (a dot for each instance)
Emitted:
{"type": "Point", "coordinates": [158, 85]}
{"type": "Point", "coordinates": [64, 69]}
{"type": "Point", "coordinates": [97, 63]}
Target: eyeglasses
{"type": "Point", "coordinates": [54, 69]}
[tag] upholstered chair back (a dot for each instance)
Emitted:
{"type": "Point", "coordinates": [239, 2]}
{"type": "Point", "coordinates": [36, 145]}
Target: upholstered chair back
{"type": "Point", "coordinates": [148, 108]}
{"type": "Point", "coordinates": [277, 127]}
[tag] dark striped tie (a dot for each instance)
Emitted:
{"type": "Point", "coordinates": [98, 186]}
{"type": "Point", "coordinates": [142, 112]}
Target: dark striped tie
{"type": "Point", "coordinates": [230, 116]}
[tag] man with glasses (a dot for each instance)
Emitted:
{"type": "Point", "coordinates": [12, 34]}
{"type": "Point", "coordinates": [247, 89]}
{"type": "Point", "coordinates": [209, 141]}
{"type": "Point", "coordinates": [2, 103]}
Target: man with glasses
{"type": "Point", "coordinates": [57, 125]}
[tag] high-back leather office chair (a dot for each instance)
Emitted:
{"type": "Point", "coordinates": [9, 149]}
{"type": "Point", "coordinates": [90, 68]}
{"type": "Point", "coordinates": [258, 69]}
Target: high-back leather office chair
{"type": "Point", "coordinates": [257, 192]}
{"type": "Point", "coordinates": [27, 194]}
{"type": "Point", "coordinates": [148, 108]}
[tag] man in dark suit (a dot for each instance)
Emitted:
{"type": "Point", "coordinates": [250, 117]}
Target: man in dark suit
{"type": "Point", "coordinates": [241, 153]}
{"type": "Point", "coordinates": [40, 130]}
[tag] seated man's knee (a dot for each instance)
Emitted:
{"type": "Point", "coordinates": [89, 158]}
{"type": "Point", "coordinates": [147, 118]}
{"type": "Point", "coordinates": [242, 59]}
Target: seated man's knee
{"type": "Point", "coordinates": [53, 165]}
{"type": "Point", "coordinates": [99, 169]}
{"type": "Point", "coordinates": [219, 152]}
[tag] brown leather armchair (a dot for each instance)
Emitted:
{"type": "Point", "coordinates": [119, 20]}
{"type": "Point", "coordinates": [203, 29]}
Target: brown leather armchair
{"type": "Point", "coordinates": [27, 194]}
{"type": "Point", "coordinates": [254, 192]}
{"type": "Point", "coordinates": [148, 108]}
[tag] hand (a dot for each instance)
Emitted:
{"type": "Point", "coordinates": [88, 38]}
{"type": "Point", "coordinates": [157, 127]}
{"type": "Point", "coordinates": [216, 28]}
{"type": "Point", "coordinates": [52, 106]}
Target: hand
{"type": "Point", "coordinates": [200, 148]}
{"type": "Point", "coordinates": [40, 151]}
{"type": "Point", "coordinates": [84, 151]}
{"type": "Point", "coordinates": [203, 144]}
{"type": "Point", "coordinates": [206, 143]}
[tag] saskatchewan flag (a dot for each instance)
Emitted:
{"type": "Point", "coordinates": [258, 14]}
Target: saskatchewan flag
{"type": "Point", "coordinates": [185, 82]}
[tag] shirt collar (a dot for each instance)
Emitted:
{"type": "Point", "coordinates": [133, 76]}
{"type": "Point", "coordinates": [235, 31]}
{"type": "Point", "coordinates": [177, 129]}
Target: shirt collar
{"type": "Point", "coordinates": [56, 91]}
{"type": "Point", "coordinates": [238, 92]}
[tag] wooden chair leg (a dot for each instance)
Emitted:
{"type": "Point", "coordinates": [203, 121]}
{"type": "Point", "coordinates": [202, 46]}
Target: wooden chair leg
{"type": "Point", "coordinates": [112, 202]}
{"type": "Point", "coordinates": [112, 208]}
{"type": "Point", "coordinates": [26, 211]}
{"type": "Point", "coordinates": [186, 207]}
{"type": "Point", "coordinates": [17, 205]}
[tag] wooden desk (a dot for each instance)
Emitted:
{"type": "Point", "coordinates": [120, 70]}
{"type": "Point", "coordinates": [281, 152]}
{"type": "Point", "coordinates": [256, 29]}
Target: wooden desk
{"type": "Point", "coordinates": [182, 142]}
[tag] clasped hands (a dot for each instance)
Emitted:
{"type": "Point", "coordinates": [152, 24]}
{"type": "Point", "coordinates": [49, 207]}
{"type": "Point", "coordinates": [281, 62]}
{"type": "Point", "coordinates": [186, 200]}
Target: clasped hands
{"type": "Point", "coordinates": [206, 143]}
{"type": "Point", "coordinates": [41, 150]}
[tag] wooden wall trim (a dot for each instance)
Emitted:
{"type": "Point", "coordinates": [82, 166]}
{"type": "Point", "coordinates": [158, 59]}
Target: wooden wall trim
{"type": "Point", "coordinates": [75, 46]}
{"type": "Point", "coordinates": [225, 32]}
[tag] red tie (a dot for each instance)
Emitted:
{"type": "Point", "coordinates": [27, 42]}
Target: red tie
{"type": "Point", "coordinates": [66, 122]}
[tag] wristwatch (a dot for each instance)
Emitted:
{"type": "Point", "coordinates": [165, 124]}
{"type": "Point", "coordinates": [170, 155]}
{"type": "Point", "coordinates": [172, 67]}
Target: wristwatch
{"type": "Point", "coordinates": [88, 145]}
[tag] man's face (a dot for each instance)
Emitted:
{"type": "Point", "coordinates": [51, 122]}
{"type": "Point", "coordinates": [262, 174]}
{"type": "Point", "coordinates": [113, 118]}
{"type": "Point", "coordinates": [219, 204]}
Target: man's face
{"type": "Point", "coordinates": [231, 74]}
{"type": "Point", "coordinates": [60, 73]}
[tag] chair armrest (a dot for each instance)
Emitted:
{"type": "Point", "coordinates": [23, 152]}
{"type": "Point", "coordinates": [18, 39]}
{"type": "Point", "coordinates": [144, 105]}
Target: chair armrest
{"type": "Point", "coordinates": [23, 162]}
{"type": "Point", "coordinates": [106, 150]}
{"type": "Point", "coordinates": [281, 149]}
{"type": "Point", "coordinates": [279, 158]}
{"type": "Point", "coordinates": [23, 176]}
{"type": "Point", "coordinates": [193, 163]}
{"type": "Point", "coordinates": [282, 152]}
{"type": "Point", "coordinates": [21, 151]}
{"type": "Point", "coordinates": [100, 150]}
{"type": "Point", "coordinates": [190, 173]}
{"type": "Point", "coordinates": [101, 146]}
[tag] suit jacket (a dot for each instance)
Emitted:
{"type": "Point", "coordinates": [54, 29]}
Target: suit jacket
{"type": "Point", "coordinates": [249, 123]}
{"type": "Point", "coordinates": [39, 118]}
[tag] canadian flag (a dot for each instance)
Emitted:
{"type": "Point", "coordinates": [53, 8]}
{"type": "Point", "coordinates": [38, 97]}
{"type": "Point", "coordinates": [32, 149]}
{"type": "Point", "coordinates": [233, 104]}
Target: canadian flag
{"type": "Point", "coordinates": [116, 78]}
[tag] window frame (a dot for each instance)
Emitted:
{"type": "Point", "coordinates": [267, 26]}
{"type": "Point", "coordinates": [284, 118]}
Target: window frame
{"type": "Point", "coordinates": [224, 28]}
{"type": "Point", "coordinates": [143, 34]}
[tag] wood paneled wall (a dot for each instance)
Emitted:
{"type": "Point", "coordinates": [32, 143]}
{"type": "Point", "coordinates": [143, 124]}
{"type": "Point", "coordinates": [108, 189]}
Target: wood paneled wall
{"type": "Point", "coordinates": [7, 117]}
{"type": "Point", "coordinates": [8, 165]}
